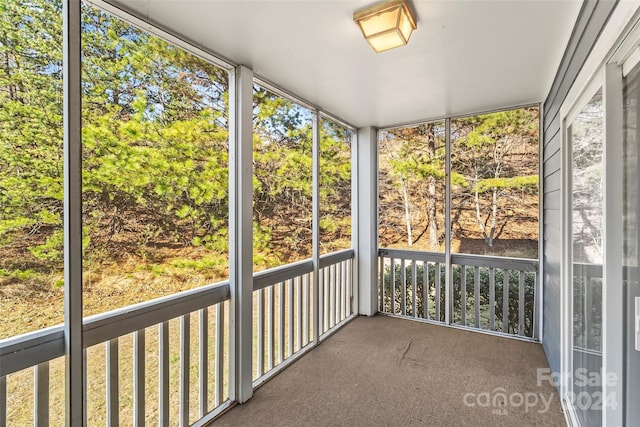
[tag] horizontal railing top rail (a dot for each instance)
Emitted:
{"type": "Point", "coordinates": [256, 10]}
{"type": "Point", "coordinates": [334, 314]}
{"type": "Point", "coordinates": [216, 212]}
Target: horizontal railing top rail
{"type": "Point", "coordinates": [27, 350]}
{"type": "Point", "coordinates": [30, 349]}
{"type": "Point", "coordinates": [505, 263]}
{"type": "Point", "coordinates": [412, 255]}
{"type": "Point", "coordinates": [336, 257]}
{"type": "Point", "coordinates": [471, 260]}
{"type": "Point", "coordinates": [109, 325]}
{"type": "Point", "coordinates": [266, 278]}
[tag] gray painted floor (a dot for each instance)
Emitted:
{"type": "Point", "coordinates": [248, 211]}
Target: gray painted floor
{"type": "Point", "coordinates": [387, 371]}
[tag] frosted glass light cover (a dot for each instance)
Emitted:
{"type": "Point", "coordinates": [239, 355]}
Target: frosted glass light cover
{"type": "Point", "coordinates": [386, 25]}
{"type": "Point", "coordinates": [380, 23]}
{"type": "Point", "coordinates": [386, 41]}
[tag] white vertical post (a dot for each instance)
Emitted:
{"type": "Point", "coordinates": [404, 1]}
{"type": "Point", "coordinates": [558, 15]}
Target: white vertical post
{"type": "Point", "coordinates": [139, 396]}
{"type": "Point", "coordinates": [185, 376]}
{"type": "Point", "coordinates": [112, 383]}
{"type": "Point", "coordinates": [203, 370]}
{"type": "Point", "coordinates": [219, 356]}
{"type": "Point", "coordinates": [40, 395]}
{"type": "Point", "coordinates": [241, 230]}
{"type": "Point", "coordinates": [163, 374]}
{"type": "Point", "coordinates": [367, 253]}
{"type": "Point", "coordinates": [315, 154]}
{"type": "Point", "coordinates": [72, 175]}
{"type": "Point", "coordinates": [448, 316]}
{"type": "Point", "coordinates": [539, 288]}
{"type": "Point", "coordinates": [613, 293]}
{"type": "Point", "coordinates": [3, 401]}
{"type": "Point", "coordinates": [354, 220]}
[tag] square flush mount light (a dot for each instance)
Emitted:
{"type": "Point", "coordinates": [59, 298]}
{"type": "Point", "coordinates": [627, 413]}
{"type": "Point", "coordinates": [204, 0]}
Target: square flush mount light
{"type": "Point", "coordinates": [386, 25]}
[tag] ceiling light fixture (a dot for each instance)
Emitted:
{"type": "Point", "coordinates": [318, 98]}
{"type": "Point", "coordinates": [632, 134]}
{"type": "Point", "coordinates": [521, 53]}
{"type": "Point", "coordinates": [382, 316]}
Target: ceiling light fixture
{"type": "Point", "coordinates": [386, 25]}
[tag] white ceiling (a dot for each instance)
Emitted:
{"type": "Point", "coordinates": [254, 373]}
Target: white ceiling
{"type": "Point", "coordinates": [465, 56]}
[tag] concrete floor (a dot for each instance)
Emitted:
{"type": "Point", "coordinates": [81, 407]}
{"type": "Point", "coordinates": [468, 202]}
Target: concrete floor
{"type": "Point", "coordinates": [392, 372]}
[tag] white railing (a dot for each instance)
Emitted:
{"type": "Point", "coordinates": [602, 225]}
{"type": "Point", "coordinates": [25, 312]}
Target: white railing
{"type": "Point", "coordinates": [161, 382]}
{"type": "Point", "coordinates": [283, 326]}
{"type": "Point", "coordinates": [494, 294]}
{"type": "Point", "coordinates": [166, 361]}
{"type": "Point", "coordinates": [285, 300]}
{"type": "Point", "coordinates": [336, 290]}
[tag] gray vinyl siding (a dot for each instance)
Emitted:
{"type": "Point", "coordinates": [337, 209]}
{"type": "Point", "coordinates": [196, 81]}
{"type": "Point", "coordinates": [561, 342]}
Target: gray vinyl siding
{"type": "Point", "coordinates": [591, 19]}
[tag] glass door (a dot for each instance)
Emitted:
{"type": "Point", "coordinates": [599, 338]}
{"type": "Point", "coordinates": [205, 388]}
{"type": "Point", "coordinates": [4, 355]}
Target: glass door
{"type": "Point", "coordinates": [600, 381]}
{"type": "Point", "coordinates": [586, 217]}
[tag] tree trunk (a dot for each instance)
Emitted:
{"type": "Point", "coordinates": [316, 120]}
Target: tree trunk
{"type": "Point", "coordinates": [407, 214]}
{"type": "Point", "coordinates": [431, 209]}
{"type": "Point", "coordinates": [479, 217]}
{"type": "Point", "coordinates": [431, 192]}
{"type": "Point", "coordinates": [494, 216]}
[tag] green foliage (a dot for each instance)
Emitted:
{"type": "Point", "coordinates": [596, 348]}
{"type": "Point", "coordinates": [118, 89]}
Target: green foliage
{"type": "Point", "coordinates": [495, 156]}
{"type": "Point", "coordinates": [199, 264]}
{"type": "Point", "coordinates": [282, 162]}
{"type": "Point", "coordinates": [31, 132]}
{"type": "Point", "coordinates": [495, 146]}
{"type": "Point", "coordinates": [515, 183]}
{"type": "Point", "coordinates": [155, 152]}
{"type": "Point", "coordinates": [421, 152]}
{"type": "Point", "coordinates": [412, 165]}
{"type": "Point", "coordinates": [494, 165]}
{"type": "Point", "coordinates": [50, 250]}
{"type": "Point", "coordinates": [155, 149]}
{"type": "Point", "coordinates": [335, 186]}
{"type": "Point", "coordinates": [18, 274]}
{"type": "Point", "coordinates": [24, 274]}
{"type": "Point", "coordinates": [328, 224]}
